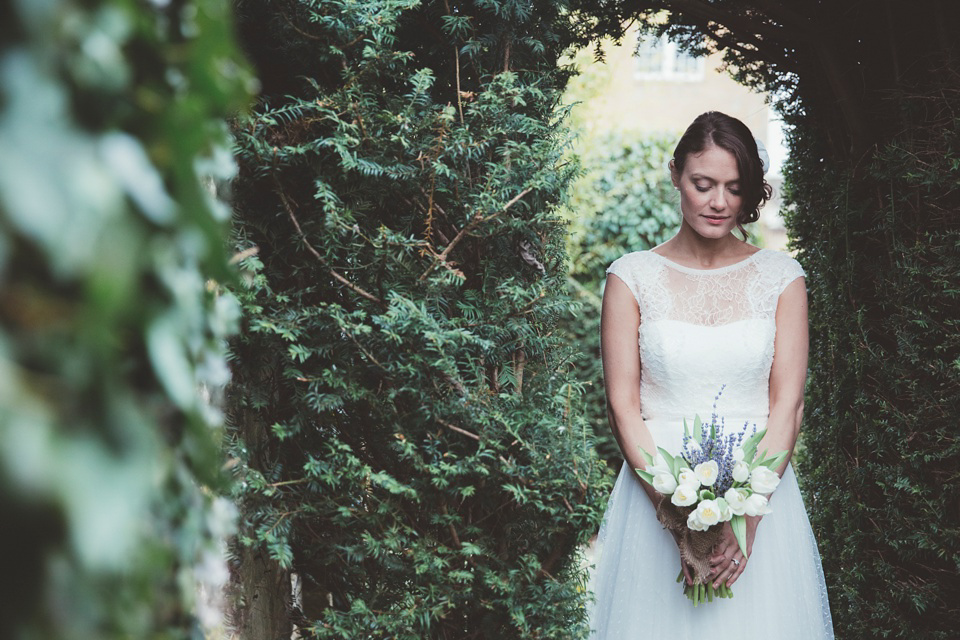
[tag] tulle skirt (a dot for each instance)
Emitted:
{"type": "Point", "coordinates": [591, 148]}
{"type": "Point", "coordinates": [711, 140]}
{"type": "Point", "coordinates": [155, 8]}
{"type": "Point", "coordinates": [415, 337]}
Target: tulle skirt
{"type": "Point", "coordinates": [781, 594]}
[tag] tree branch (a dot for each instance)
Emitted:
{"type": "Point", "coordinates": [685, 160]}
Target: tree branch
{"type": "Point", "coordinates": [790, 19]}
{"type": "Point", "coordinates": [547, 565]}
{"type": "Point", "coordinates": [769, 46]}
{"type": "Point", "coordinates": [311, 249]}
{"type": "Point", "coordinates": [469, 434]}
{"type": "Point", "coordinates": [739, 24]}
{"type": "Point", "coordinates": [476, 220]}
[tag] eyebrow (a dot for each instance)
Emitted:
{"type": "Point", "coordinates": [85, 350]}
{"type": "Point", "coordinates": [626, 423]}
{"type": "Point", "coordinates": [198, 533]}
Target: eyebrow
{"type": "Point", "coordinates": [700, 176]}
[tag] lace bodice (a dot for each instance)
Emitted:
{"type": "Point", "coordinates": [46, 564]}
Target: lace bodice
{"type": "Point", "coordinates": [703, 328]}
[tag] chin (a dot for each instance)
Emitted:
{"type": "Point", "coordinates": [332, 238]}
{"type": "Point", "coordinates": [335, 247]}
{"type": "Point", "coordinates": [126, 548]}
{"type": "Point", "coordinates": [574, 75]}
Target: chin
{"type": "Point", "coordinates": [709, 231]}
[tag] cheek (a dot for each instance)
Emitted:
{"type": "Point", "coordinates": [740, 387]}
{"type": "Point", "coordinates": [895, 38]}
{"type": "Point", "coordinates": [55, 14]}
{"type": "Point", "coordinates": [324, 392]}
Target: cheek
{"type": "Point", "coordinates": [691, 197]}
{"type": "Point", "coordinates": [737, 204]}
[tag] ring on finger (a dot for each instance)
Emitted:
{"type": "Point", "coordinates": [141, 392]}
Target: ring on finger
{"type": "Point", "coordinates": [735, 561]}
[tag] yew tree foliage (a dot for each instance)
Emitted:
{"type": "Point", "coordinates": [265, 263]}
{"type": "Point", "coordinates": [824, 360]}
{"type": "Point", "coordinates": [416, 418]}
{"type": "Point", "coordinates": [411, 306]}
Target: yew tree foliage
{"type": "Point", "coordinates": [111, 113]}
{"type": "Point", "coordinates": [871, 95]}
{"type": "Point", "coordinates": [407, 432]}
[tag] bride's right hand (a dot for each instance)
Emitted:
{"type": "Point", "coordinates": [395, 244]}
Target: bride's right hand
{"type": "Point", "coordinates": [683, 565]}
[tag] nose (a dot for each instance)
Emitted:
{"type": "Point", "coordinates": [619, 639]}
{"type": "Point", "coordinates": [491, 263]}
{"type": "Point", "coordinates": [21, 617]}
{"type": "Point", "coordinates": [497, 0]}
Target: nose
{"type": "Point", "coordinates": [719, 200]}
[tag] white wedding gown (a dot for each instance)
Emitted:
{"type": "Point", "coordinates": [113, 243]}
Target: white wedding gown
{"type": "Point", "coordinates": [701, 329]}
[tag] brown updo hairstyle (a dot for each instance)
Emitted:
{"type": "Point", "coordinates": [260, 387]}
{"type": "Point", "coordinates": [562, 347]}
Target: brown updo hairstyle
{"type": "Point", "coordinates": [728, 133]}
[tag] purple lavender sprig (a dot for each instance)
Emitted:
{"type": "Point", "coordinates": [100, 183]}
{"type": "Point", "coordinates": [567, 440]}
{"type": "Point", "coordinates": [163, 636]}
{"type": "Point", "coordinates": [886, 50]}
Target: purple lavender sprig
{"type": "Point", "coordinates": [715, 444]}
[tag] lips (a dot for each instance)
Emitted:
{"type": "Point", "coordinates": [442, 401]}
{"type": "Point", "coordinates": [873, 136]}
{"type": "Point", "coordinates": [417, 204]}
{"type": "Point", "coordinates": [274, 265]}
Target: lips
{"type": "Point", "coordinates": [716, 219]}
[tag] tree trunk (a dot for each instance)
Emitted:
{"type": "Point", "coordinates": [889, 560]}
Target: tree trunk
{"type": "Point", "coordinates": [259, 588]}
{"type": "Point", "coordinates": [263, 612]}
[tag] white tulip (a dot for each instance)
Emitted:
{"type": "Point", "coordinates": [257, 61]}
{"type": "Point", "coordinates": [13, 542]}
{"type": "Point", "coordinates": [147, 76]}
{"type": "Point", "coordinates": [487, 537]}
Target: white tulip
{"type": "Point", "coordinates": [684, 496]}
{"type": "Point", "coordinates": [757, 505]}
{"type": "Point", "coordinates": [708, 512]}
{"type": "Point", "coordinates": [741, 471]}
{"type": "Point", "coordinates": [738, 454]}
{"type": "Point", "coordinates": [726, 513]}
{"type": "Point", "coordinates": [763, 480]}
{"type": "Point", "coordinates": [737, 501]}
{"type": "Point", "coordinates": [688, 477]}
{"type": "Point", "coordinates": [659, 466]}
{"type": "Point", "coordinates": [706, 472]}
{"type": "Point", "coordinates": [665, 483]}
{"type": "Point", "coordinates": [694, 523]}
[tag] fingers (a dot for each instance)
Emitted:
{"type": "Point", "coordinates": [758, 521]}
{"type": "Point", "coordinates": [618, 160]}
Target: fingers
{"type": "Point", "coordinates": [721, 558]}
{"type": "Point", "coordinates": [725, 548]}
{"type": "Point", "coordinates": [728, 574]}
{"type": "Point", "coordinates": [722, 574]}
{"type": "Point", "coordinates": [722, 554]}
{"type": "Point", "coordinates": [738, 570]}
{"type": "Point", "coordinates": [686, 572]}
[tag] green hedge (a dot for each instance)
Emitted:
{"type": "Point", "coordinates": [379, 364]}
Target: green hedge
{"type": "Point", "coordinates": [882, 255]}
{"type": "Point", "coordinates": [409, 433]}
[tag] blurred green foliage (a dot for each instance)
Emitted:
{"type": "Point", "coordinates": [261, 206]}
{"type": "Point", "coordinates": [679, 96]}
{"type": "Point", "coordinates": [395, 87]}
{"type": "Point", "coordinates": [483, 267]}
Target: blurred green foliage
{"type": "Point", "coordinates": [110, 115]}
{"type": "Point", "coordinates": [622, 201]}
{"type": "Point", "coordinates": [410, 434]}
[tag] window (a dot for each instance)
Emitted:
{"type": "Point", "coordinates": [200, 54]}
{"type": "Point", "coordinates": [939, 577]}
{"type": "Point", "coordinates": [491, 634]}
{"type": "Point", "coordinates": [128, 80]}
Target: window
{"type": "Point", "coordinates": [659, 59]}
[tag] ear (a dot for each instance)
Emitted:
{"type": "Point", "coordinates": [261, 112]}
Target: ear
{"type": "Point", "coordinates": [674, 174]}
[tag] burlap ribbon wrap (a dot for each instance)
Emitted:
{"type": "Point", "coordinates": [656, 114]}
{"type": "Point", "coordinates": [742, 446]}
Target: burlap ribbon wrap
{"type": "Point", "coordinates": [695, 546]}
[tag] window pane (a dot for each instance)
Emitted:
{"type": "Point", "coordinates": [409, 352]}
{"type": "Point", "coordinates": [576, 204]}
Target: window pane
{"type": "Point", "coordinates": [650, 55]}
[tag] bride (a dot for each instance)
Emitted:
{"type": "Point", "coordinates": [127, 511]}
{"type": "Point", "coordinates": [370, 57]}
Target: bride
{"type": "Point", "coordinates": [703, 310]}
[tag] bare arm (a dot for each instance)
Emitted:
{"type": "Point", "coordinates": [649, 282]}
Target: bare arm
{"type": "Point", "coordinates": [788, 373]}
{"type": "Point", "coordinates": [619, 322]}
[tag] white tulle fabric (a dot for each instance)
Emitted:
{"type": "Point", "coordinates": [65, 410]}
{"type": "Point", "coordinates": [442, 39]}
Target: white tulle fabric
{"type": "Point", "coordinates": [701, 329]}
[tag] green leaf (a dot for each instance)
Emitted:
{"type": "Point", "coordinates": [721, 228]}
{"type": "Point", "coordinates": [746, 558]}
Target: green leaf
{"type": "Point", "coordinates": [775, 461]}
{"type": "Point", "coordinates": [646, 456]}
{"type": "Point", "coordinates": [739, 525]}
{"type": "Point", "coordinates": [666, 456]}
{"type": "Point", "coordinates": [750, 445]}
{"type": "Point", "coordinates": [678, 464]}
{"type": "Point", "coordinates": [697, 436]}
{"type": "Point", "coordinates": [646, 475]}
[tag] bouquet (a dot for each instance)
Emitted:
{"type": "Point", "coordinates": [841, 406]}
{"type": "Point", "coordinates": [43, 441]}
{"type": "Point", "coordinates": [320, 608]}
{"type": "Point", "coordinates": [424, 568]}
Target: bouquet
{"type": "Point", "coordinates": [716, 478]}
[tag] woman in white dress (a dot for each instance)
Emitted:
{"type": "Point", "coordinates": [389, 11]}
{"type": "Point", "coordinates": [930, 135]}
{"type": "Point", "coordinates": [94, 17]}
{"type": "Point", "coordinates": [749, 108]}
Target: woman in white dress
{"type": "Point", "coordinates": [703, 310]}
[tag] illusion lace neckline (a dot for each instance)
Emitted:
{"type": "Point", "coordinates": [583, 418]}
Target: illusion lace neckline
{"type": "Point", "coordinates": [723, 269]}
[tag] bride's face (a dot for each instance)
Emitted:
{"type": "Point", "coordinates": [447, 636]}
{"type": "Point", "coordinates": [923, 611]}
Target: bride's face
{"type": "Point", "coordinates": [710, 197]}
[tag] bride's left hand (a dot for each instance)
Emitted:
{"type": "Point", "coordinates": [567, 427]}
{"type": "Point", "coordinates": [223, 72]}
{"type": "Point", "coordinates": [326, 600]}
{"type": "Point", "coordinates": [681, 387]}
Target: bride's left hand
{"type": "Point", "coordinates": [725, 570]}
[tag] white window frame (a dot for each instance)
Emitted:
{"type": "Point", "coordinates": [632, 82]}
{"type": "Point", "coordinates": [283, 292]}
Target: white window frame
{"type": "Point", "coordinates": [670, 53]}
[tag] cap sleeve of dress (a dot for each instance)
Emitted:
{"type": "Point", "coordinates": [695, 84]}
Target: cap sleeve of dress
{"type": "Point", "coordinates": [790, 271]}
{"type": "Point", "coordinates": [625, 267]}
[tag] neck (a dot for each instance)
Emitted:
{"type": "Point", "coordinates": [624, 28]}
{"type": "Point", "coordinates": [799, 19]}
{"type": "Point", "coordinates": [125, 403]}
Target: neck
{"type": "Point", "coordinates": [704, 251]}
